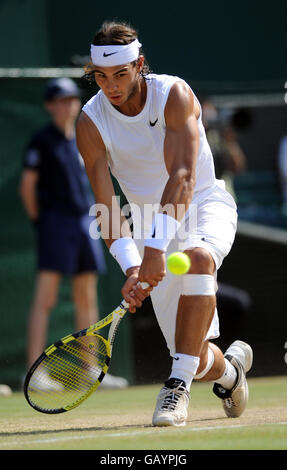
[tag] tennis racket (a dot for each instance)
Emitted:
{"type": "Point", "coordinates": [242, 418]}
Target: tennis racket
{"type": "Point", "coordinates": [70, 370]}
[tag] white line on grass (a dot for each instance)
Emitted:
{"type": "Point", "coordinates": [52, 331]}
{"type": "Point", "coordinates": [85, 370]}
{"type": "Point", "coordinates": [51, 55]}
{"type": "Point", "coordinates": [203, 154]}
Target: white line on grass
{"type": "Point", "coordinates": [131, 433]}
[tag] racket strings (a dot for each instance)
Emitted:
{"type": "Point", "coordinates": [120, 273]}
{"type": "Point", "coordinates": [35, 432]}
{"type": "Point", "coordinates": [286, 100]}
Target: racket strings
{"type": "Point", "coordinates": [68, 373]}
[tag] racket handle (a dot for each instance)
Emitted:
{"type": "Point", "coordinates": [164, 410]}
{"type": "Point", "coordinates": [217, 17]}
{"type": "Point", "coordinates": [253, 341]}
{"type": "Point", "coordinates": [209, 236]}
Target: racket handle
{"type": "Point", "coordinates": [144, 285]}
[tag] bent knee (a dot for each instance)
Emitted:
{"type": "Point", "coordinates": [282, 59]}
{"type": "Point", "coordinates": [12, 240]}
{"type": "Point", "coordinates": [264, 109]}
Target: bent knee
{"type": "Point", "coordinates": [203, 358]}
{"type": "Point", "coordinates": [201, 261]}
{"type": "Point", "coordinates": [209, 365]}
{"type": "Point", "coordinates": [205, 364]}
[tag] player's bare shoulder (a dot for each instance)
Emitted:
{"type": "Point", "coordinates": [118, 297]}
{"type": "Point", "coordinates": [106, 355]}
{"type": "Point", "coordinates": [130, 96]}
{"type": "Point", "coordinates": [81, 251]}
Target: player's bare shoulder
{"type": "Point", "coordinates": [87, 129]}
{"type": "Point", "coordinates": [180, 103]}
{"type": "Point", "coordinates": [89, 140]}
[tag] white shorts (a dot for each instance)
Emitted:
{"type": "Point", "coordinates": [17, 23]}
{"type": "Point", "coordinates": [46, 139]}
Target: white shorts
{"type": "Point", "coordinates": [214, 212]}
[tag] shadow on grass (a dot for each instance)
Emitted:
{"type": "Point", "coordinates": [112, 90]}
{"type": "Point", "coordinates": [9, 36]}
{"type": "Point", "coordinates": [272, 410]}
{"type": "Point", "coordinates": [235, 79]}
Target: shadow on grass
{"type": "Point", "coordinates": [94, 428]}
{"type": "Point", "coordinates": [74, 429]}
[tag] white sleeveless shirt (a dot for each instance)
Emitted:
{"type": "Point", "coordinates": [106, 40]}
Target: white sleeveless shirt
{"type": "Point", "coordinates": [135, 144]}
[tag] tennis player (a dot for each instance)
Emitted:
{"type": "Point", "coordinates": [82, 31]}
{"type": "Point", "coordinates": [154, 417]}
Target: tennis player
{"type": "Point", "coordinates": [147, 130]}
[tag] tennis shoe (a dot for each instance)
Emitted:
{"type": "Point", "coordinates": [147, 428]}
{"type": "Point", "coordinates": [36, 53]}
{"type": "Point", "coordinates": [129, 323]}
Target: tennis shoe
{"type": "Point", "coordinates": [172, 404]}
{"type": "Point", "coordinates": [234, 401]}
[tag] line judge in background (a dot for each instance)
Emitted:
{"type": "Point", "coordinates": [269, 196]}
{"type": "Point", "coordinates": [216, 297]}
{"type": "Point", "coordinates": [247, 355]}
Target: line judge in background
{"type": "Point", "coordinates": [56, 196]}
{"type": "Point", "coordinates": [147, 129]}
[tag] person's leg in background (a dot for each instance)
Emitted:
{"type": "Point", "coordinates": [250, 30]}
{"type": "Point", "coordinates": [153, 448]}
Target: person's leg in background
{"type": "Point", "coordinates": [45, 298]}
{"type": "Point", "coordinates": [84, 292]}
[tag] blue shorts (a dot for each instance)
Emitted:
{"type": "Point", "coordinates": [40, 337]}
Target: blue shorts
{"type": "Point", "coordinates": [64, 244]}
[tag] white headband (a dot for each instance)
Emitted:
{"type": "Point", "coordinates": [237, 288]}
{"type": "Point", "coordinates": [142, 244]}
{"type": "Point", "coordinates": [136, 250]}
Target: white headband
{"type": "Point", "coordinates": [109, 56]}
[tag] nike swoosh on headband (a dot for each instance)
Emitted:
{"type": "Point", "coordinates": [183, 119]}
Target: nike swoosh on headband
{"type": "Point", "coordinates": [111, 53]}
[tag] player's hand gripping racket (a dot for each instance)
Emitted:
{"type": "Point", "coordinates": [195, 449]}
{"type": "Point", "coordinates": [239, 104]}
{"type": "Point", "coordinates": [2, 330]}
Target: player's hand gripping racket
{"type": "Point", "coordinates": [70, 370]}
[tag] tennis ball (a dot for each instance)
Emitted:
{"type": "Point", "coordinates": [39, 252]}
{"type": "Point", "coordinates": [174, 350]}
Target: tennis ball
{"type": "Point", "coordinates": [178, 263]}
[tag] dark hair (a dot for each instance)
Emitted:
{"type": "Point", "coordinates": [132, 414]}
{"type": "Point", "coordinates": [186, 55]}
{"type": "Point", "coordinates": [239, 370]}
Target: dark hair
{"type": "Point", "coordinates": [114, 33]}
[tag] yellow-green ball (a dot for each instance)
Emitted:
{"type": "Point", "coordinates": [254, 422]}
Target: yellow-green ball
{"type": "Point", "coordinates": [178, 263]}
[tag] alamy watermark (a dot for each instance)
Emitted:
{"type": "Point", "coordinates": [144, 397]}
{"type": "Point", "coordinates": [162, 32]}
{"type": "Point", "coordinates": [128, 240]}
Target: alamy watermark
{"type": "Point", "coordinates": [115, 221]}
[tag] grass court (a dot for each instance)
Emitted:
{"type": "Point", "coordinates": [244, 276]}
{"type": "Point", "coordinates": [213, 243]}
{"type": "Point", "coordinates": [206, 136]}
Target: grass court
{"type": "Point", "coordinates": [121, 420]}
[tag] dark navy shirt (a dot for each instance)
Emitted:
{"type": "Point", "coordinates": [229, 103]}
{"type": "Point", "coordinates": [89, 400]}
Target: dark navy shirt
{"type": "Point", "coordinates": [63, 184]}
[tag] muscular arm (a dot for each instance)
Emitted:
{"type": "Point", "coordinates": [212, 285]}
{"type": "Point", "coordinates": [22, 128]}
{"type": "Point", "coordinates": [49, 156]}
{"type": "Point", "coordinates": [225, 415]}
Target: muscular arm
{"type": "Point", "coordinates": [180, 152]}
{"type": "Point", "coordinates": [92, 149]}
{"type": "Point", "coordinates": [180, 147]}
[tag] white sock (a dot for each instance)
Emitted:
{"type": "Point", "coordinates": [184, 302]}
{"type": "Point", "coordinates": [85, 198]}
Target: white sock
{"type": "Point", "coordinates": [184, 367]}
{"type": "Point", "coordinates": [228, 379]}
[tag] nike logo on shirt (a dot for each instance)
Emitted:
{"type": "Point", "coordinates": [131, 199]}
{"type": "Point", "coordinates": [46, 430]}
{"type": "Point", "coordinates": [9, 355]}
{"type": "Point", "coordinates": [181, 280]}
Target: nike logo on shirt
{"type": "Point", "coordinates": [111, 53]}
{"type": "Point", "coordinates": [153, 123]}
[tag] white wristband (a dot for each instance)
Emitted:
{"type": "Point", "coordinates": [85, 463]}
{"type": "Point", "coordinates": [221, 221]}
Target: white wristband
{"type": "Point", "coordinates": [164, 229]}
{"type": "Point", "coordinates": [125, 251]}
